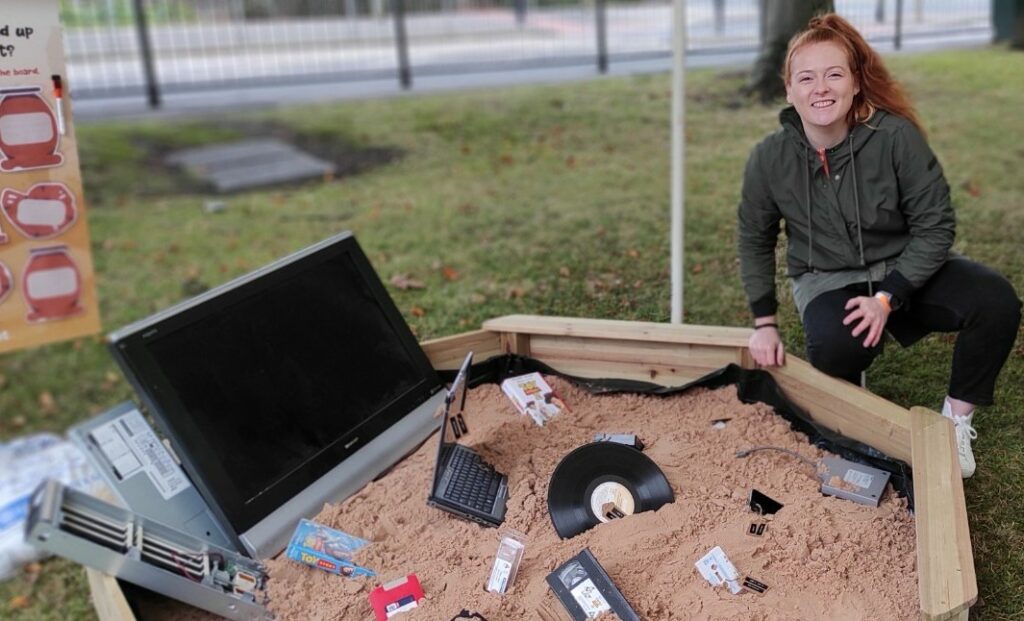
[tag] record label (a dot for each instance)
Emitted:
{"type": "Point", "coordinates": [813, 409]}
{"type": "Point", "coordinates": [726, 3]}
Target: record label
{"type": "Point", "coordinates": [611, 500]}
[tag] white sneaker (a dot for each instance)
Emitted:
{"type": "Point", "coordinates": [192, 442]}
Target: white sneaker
{"type": "Point", "coordinates": [964, 434]}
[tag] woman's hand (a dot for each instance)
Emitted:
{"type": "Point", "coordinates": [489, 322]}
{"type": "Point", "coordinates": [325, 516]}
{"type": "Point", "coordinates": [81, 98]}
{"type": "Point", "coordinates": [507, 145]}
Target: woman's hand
{"type": "Point", "coordinates": [870, 315]}
{"type": "Point", "coordinates": [766, 347]}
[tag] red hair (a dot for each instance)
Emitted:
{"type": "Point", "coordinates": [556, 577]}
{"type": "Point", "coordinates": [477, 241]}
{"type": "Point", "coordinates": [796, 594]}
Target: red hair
{"type": "Point", "coordinates": [878, 90]}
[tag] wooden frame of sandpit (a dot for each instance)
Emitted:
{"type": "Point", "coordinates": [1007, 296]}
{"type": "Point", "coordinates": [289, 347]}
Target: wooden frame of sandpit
{"type": "Point", "coordinates": [672, 355]}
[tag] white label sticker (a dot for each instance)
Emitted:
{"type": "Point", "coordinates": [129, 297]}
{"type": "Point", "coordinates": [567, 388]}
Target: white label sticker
{"type": "Point", "coordinates": [52, 283]}
{"type": "Point", "coordinates": [590, 599]}
{"type": "Point", "coordinates": [26, 128]}
{"type": "Point", "coordinates": [41, 212]}
{"type": "Point", "coordinates": [858, 478]}
{"type": "Point", "coordinates": [132, 447]}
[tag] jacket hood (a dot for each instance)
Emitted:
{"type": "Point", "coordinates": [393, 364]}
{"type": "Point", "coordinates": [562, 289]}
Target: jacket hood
{"type": "Point", "coordinates": [793, 129]}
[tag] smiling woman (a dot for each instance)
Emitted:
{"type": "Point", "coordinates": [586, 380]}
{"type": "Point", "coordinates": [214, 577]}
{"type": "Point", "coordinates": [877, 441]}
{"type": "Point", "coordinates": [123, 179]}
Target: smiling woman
{"type": "Point", "coordinates": [869, 229]}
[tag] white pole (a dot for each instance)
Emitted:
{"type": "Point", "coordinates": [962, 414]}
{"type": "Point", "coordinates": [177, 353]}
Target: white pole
{"type": "Point", "coordinates": [678, 154]}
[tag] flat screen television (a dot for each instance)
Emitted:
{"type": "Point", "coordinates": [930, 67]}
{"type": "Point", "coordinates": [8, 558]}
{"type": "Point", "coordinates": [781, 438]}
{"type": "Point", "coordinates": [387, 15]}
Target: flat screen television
{"type": "Point", "coordinates": [283, 389]}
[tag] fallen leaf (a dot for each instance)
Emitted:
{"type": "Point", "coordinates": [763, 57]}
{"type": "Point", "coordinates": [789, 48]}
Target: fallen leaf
{"type": "Point", "coordinates": [405, 281]}
{"type": "Point", "coordinates": [449, 273]}
{"type": "Point", "coordinates": [18, 421]}
{"type": "Point", "coordinates": [109, 381]}
{"type": "Point", "coordinates": [698, 268]}
{"type": "Point", "coordinates": [507, 159]}
{"type": "Point", "coordinates": [47, 404]}
{"type": "Point", "coordinates": [632, 253]}
{"type": "Point", "coordinates": [416, 311]}
{"type": "Point", "coordinates": [18, 602]}
{"type": "Point", "coordinates": [514, 292]}
{"type": "Point", "coordinates": [33, 568]}
{"type": "Point", "coordinates": [570, 161]}
{"type": "Point", "coordinates": [477, 298]}
{"type": "Point", "coordinates": [563, 272]}
{"type": "Point", "coordinates": [971, 187]}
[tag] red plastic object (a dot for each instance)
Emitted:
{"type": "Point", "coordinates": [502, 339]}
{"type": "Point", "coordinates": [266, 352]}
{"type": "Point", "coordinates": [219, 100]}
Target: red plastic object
{"type": "Point", "coordinates": [396, 596]}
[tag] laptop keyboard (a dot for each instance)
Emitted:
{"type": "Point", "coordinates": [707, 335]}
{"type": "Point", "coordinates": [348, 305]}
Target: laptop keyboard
{"type": "Point", "coordinates": [473, 483]}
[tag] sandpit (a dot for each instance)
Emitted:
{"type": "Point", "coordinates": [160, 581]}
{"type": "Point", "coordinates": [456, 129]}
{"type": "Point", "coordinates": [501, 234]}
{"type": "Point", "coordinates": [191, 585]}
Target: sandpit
{"type": "Point", "coordinates": [822, 557]}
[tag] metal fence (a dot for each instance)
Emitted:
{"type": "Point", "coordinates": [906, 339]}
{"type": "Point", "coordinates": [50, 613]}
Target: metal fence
{"type": "Point", "coordinates": [132, 47]}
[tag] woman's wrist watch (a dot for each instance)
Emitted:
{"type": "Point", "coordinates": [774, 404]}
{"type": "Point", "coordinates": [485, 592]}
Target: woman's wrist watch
{"type": "Point", "coordinates": [888, 300]}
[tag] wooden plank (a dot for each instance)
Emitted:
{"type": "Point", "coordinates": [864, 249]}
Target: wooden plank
{"type": "Point", "coordinates": [107, 597]}
{"type": "Point", "coordinates": [847, 409]}
{"type": "Point", "coordinates": [657, 374]}
{"type": "Point", "coordinates": [513, 343]}
{"type": "Point", "coordinates": [623, 330]}
{"type": "Point", "coordinates": [707, 357]}
{"type": "Point", "coordinates": [945, 562]}
{"type": "Point", "coordinates": [448, 352]}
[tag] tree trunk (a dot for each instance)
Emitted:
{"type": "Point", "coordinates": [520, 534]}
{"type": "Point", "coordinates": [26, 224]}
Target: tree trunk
{"type": "Point", "coordinates": [781, 20]}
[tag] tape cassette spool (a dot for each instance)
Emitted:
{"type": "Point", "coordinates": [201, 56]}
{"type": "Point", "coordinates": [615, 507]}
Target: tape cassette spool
{"type": "Point", "coordinates": [601, 482]}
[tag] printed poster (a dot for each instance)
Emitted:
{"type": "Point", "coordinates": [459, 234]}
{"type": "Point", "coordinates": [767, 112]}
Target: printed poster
{"type": "Point", "coordinates": [47, 286]}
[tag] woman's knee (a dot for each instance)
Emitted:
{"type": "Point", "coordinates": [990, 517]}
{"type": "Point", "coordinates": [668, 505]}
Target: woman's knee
{"type": "Point", "coordinates": [844, 357]}
{"type": "Point", "coordinates": [999, 307]}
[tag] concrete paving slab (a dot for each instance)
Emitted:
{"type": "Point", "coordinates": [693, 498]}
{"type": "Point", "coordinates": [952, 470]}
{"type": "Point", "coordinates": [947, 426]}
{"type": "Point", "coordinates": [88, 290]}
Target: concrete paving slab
{"type": "Point", "coordinates": [245, 164]}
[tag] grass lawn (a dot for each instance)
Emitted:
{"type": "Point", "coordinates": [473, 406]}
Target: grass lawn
{"type": "Point", "coordinates": [547, 200]}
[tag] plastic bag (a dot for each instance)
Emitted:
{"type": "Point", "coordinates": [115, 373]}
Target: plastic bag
{"type": "Point", "coordinates": [24, 464]}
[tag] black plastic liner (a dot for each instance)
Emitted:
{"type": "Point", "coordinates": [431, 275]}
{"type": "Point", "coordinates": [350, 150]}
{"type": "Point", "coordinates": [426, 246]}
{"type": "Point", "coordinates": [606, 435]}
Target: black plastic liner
{"type": "Point", "coordinates": [752, 385]}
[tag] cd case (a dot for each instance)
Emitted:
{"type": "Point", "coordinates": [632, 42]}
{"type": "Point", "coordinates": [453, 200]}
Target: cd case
{"type": "Point", "coordinates": [586, 591]}
{"type": "Point", "coordinates": [327, 549]}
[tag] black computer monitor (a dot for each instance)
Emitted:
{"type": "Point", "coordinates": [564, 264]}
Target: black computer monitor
{"type": "Point", "coordinates": [293, 378]}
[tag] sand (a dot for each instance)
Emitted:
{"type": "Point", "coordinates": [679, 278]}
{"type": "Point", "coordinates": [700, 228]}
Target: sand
{"type": "Point", "coordinates": [821, 557]}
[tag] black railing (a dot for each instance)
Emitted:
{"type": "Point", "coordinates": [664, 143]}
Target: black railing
{"type": "Point", "coordinates": [150, 47]}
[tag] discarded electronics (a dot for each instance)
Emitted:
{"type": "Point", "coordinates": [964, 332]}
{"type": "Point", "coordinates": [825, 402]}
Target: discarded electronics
{"type": "Point", "coordinates": [138, 550]}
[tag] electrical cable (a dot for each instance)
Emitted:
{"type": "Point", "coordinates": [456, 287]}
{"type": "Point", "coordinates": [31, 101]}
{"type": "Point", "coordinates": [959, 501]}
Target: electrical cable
{"type": "Point", "coordinates": [807, 461]}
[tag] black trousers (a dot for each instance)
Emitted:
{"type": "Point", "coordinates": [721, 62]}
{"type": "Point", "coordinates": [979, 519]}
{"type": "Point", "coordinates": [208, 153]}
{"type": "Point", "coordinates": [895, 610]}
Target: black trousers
{"type": "Point", "coordinates": [963, 296]}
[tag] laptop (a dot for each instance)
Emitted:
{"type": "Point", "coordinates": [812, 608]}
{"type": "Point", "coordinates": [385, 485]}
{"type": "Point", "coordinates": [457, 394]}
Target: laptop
{"type": "Point", "coordinates": [465, 484]}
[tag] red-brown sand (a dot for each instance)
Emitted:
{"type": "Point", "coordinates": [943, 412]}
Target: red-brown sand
{"type": "Point", "coordinates": [822, 558]}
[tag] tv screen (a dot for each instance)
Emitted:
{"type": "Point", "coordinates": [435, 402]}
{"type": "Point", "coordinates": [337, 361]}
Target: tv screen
{"type": "Point", "coordinates": [270, 381]}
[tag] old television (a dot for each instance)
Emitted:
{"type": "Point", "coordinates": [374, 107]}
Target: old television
{"type": "Point", "coordinates": [284, 389]}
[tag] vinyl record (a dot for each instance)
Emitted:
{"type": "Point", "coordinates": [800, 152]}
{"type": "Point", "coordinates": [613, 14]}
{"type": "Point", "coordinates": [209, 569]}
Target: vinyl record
{"type": "Point", "coordinates": [603, 481]}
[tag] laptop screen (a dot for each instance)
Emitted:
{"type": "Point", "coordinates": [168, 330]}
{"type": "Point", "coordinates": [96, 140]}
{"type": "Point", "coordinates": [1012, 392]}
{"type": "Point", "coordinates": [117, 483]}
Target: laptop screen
{"type": "Point", "coordinates": [455, 403]}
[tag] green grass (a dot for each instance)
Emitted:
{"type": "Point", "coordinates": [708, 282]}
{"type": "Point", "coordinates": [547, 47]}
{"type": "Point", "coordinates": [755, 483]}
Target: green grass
{"type": "Point", "coordinates": [548, 200]}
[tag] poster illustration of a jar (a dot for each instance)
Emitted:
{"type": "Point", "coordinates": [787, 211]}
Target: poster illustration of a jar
{"type": "Point", "coordinates": [28, 130]}
{"type": "Point", "coordinates": [47, 283]}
